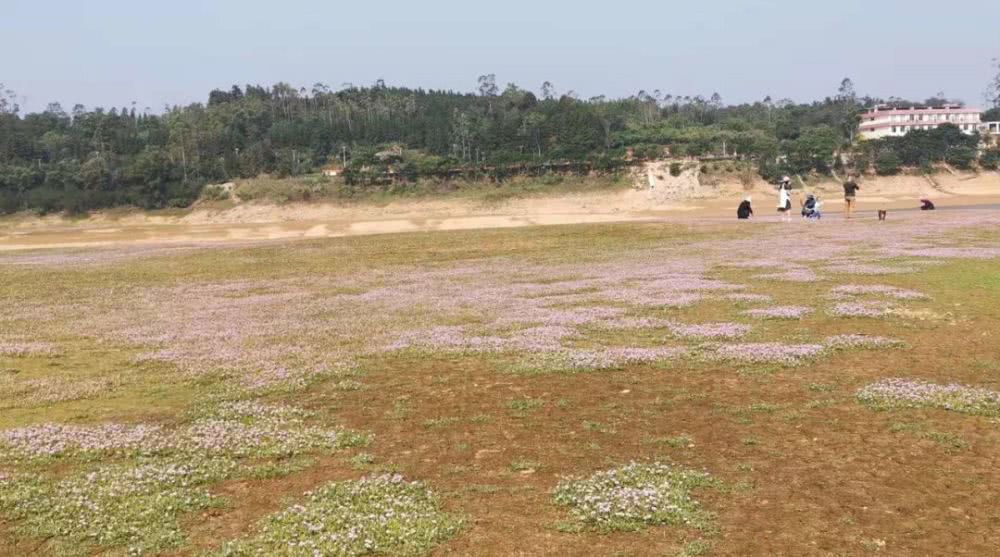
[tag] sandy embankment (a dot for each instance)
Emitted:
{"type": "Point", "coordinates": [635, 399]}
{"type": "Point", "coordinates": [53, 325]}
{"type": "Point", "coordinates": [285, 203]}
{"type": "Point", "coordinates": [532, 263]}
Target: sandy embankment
{"type": "Point", "coordinates": [657, 196]}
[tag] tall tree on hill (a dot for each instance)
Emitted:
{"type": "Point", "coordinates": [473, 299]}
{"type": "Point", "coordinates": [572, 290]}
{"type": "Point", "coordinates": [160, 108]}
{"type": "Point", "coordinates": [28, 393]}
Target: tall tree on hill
{"type": "Point", "coordinates": [847, 97]}
{"type": "Point", "coordinates": [488, 88]}
{"type": "Point", "coordinates": [992, 95]}
{"type": "Point", "coordinates": [548, 91]}
{"type": "Point", "coordinates": [993, 90]}
{"type": "Point", "coordinates": [8, 101]}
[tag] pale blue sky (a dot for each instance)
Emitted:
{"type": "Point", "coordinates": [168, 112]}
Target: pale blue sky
{"type": "Point", "coordinates": [112, 52]}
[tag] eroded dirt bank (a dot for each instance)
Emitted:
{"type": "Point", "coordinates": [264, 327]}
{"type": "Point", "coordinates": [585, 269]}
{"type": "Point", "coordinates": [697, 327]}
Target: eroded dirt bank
{"type": "Point", "coordinates": [655, 199]}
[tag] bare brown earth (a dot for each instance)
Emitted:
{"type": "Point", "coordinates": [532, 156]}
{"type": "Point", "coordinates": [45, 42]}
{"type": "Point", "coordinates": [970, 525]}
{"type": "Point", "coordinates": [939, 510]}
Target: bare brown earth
{"type": "Point", "coordinates": [656, 196]}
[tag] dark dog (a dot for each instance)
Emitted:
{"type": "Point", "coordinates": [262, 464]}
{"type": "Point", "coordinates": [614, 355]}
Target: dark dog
{"type": "Point", "coordinates": [882, 213]}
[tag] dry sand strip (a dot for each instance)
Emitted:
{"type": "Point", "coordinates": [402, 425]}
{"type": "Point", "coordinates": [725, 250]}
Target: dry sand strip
{"type": "Point", "coordinates": [260, 222]}
{"type": "Point", "coordinates": [217, 233]}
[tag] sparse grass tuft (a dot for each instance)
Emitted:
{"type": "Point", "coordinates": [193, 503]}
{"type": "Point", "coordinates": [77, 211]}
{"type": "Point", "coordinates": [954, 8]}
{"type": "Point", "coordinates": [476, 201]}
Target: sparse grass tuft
{"type": "Point", "coordinates": [522, 406]}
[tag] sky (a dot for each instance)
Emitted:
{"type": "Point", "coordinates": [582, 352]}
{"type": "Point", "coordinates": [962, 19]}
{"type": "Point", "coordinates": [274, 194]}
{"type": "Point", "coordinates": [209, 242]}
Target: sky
{"type": "Point", "coordinates": [112, 53]}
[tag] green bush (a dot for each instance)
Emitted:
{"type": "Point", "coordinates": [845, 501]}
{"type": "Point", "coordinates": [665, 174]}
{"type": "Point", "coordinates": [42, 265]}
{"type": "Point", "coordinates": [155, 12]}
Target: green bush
{"type": "Point", "coordinates": [288, 190]}
{"type": "Point", "coordinates": [887, 164]}
{"type": "Point", "coordinates": [961, 157]}
{"type": "Point", "coordinates": [990, 159]}
{"type": "Point", "coordinates": [551, 179]}
{"type": "Point", "coordinates": [214, 192]}
{"type": "Point", "coordinates": [650, 152]}
{"type": "Point", "coordinates": [675, 169]}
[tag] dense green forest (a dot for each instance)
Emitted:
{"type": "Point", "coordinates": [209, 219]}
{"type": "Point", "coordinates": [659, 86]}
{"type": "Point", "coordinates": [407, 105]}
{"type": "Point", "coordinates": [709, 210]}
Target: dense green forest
{"type": "Point", "coordinates": [85, 159]}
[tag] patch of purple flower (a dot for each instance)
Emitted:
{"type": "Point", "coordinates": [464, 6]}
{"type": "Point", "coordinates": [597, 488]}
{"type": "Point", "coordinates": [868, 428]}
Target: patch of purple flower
{"type": "Point", "coordinates": [20, 393]}
{"type": "Point", "coordinates": [47, 440]}
{"type": "Point", "coordinates": [779, 312]}
{"type": "Point", "coordinates": [868, 269]}
{"type": "Point", "coordinates": [634, 496]}
{"type": "Point", "coordinates": [381, 515]}
{"type": "Point", "coordinates": [861, 309]}
{"type": "Point", "coordinates": [876, 289]}
{"type": "Point", "coordinates": [235, 429]}
{"type": "Point", "coordinates": [793, 275]}
{"type": "Point", "coordinates": [711, 330]}
{"type": "Point", "coordinates": [749, 297]}
{"type": "Point", "coordinates": [623, 323]}
{"type": "Point", "coordinates": [614, 357]}
{"type": "Point", "coordinates": [908, 393]}
{"type": "Point", "coordinates": [766, 352]}
{"type": "Point", "coordinates": [29, 348]}
{"type": "Point", "coordinates": [982, 252]}
{"type": "Point", "coordinates": [861, 341]}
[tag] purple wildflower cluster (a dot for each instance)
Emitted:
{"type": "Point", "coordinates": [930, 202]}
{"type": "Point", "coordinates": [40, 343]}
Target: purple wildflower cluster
{"type": "Point", "coordinates": [867, 269]}
{"type": "Point", "coordinates": [908, 393]}
{"type": "Point", "coordinates": [236, 429]}
{"type": "Point", "coordinates": [21, 393]}
{"type": "Point", "coordinates": [56, 439]}
{"type": "Point", "coordinates": [849, 290]}
{"type": "Point", "coordinates": [710, 330]}
{"type": "Point", "coordinates": [779, 312]}
{"type": "Point", "coordinates": [624, 323]}
{"type": "Point", "coordinates": [861, 309]}
{"type": "Point", "coordinates": [948, 252]}
{"type": "Point", "coordinates": [842, 342]}
{"type": "Point", "coordinates": [766, 353]}
{"type": "Point", "coordinates": [634, 496]}
{"type": "Point", "coordinates": [117, 505]}
{"type": "Point", "coordinates": [25, 348]}
{"type": "Point", "coordinates": [615, 357]}
{"type": "Point", "coordinates": [800, 274]}
{"type": "Point", "coordinates": [377, 515]}
{"type": "Point", "coordinates": [455, 338]}
{"type": "Point", "coordinates": [748, 297]}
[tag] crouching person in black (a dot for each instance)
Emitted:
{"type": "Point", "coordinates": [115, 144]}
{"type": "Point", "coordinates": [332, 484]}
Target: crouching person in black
{"type": "Point", "coordinates": [744, 211]}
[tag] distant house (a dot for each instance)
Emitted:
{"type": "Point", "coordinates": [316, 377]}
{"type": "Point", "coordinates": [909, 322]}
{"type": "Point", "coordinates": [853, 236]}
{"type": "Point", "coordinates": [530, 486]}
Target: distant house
{"type": "Point", "coordinates": [895, 122]}
{"type": "Point", "coordinates": [991, 128]}
{"type": "Point", "coordinates": [332, 170]}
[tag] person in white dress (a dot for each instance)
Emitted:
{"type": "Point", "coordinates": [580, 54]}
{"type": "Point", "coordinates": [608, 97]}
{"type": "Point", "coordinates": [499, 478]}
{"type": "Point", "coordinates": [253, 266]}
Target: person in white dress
{"type": "Point", "coordinates": [785, 199]}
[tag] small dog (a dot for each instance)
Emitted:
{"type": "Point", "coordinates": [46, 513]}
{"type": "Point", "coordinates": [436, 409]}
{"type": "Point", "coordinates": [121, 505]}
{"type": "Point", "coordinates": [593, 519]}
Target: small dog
{"type": "Point", "coordinates": [882, 213]}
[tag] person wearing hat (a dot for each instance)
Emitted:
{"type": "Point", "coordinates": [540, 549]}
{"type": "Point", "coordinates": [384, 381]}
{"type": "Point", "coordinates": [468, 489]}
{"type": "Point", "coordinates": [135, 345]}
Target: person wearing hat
{"type": "Point", "coordinates": [810, 207]}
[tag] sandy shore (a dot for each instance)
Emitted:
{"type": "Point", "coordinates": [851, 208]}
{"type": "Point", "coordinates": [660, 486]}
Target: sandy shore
{"type": "Point", "coordinates": [256, 222]}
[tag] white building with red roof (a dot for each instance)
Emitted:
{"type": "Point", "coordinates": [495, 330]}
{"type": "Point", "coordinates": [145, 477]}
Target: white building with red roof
{"type": "Point", "coordinates": [894, 122]}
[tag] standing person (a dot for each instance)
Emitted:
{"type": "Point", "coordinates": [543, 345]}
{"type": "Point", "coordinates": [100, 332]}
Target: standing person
{"type": "Point", "coordinates": [851, 188]}
{"type": "Point", "coordinates": [785, 199]}
{"type": "Point", "coordinates": [744, 211]}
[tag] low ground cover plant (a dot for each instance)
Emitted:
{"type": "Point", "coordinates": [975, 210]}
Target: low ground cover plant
{"type": "Point", "coordinates": [910, 393]}
{"type": "Point", "coordinates": [381, 515]}
{"type": "Point", "coordinates": [634, 496]}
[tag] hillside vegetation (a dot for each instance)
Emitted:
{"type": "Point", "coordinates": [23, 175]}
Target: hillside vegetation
{"type": "Point", "coordinates": [382, 136]}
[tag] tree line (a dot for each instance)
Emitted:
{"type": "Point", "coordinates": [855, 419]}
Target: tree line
{"type": "Point", "coordinates": [84, 159]}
